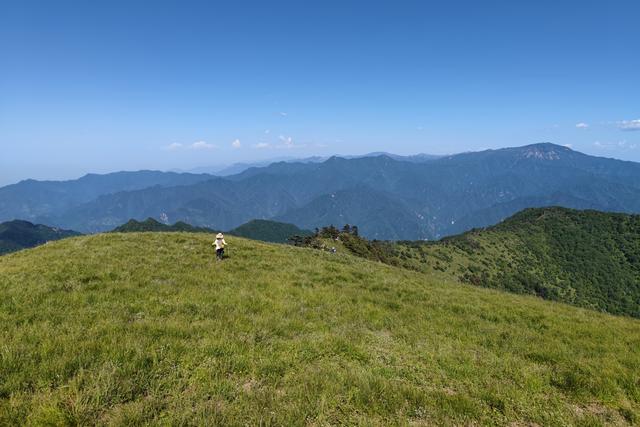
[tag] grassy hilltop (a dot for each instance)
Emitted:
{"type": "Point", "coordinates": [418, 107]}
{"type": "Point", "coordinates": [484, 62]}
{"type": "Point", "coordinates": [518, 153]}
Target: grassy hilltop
{"type": "Point", "coordinates": [145, 328]}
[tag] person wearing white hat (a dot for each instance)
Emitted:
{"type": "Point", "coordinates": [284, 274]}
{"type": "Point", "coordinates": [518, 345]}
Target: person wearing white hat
{"type": "Point", "coordinates": [219, 244]}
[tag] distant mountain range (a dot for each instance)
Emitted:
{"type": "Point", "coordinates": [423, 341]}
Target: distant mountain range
{"type": "Point", "coordinates": [388, 197]}
{"type": "Point", "coordinates": [240, 167]}
{"type": "Point", "coordinates": [235, 168]}
{"type": "Point", "coordinates": [44, 200]}
{"type": "Point", "coordinates": [17, 235]}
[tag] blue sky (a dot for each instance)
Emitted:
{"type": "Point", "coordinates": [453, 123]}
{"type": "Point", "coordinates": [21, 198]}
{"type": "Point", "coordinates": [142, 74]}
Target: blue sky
{"type": "Point", "coordinates": [104, 86]}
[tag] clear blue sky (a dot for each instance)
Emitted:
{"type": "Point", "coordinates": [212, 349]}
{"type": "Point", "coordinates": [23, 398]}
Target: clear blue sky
{"type": "Point", "coordinates": [103, 86]}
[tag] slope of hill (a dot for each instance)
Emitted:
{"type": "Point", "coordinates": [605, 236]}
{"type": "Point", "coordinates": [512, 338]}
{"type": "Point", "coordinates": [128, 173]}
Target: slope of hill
{"type": "Point", "coordinates": [130, 329]}
{"type": "Point", "coordinates": [268, 231]}
{"type": "Point", "coordinates": [585, 258]}
{"type": "Point", "coordinates": [16, 235]}
{"type": "Point", "coordinates": [150, 224]}
{"type": "Point", "coordinates": [389, 198]}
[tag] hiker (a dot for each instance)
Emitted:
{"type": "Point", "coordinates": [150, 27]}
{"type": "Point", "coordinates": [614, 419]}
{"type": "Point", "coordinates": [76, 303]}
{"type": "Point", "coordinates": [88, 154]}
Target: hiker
{"type": "Point", "coordinates": [219, 244]}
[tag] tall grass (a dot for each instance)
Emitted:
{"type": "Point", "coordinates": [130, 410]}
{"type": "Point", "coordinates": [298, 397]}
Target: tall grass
{"type": "Point", "coordinates": [134, 329]}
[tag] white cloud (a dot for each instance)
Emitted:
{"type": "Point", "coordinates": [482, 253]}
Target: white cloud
{"type": "Point", "coordinates": [620, 145]}
{"type": "Point", "coordinates": [627, 145]}
{"type": "Point", "coordinates": [287, 141]}
{"type": "Point", "coordinates": [582, 125]}
{"type": "Point", "coordinates": [198, 145]}
{"type": "Point", "coordinates": [569, 146]}
{"type": "Point", "coordinates": [173, 146]}
{"type": "Point", "coordinates": [283, 114]}
{"type": "Point", "coordinates": [202, 145]}
{"type": "Point", "coordinates": [236, 143]}
{"type": "Point", "coordinates": [629, 125]}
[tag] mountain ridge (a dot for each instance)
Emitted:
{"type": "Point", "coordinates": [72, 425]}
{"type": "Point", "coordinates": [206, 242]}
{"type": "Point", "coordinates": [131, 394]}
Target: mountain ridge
{"type": "Point", "coordinates": [412, 200]}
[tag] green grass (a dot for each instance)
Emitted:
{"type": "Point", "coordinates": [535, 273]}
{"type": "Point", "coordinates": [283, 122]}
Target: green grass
{"type": "Point", "coordinates": [146, 328]}
{"type": "Point", "coordinates": [586, 258]}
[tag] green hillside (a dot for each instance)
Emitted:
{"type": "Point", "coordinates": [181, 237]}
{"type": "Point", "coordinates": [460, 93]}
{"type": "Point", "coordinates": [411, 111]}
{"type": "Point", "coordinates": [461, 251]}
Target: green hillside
{"type": "Point", "coordinates": [150, 224]}
{"type": "Point", "coordinates": [586, 258]}
{"type": "Point", "coordinates": [16, 235]}
{"type": "Point", "coordinates": [131, 329]}
{"type": "Point", "coordinates": [268, 231]}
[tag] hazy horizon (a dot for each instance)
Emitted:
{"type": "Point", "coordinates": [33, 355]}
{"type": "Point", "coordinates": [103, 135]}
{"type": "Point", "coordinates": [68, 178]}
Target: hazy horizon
{"type": "Point", "coordinates": [120, 86]}
{"type": "Point", "coordinates": [213, 168]}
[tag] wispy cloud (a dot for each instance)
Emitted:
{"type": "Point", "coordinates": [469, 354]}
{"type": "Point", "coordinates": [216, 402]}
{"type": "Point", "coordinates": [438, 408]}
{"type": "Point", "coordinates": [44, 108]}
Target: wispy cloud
{"type": "Point", "coordinates": [283, 113]}
{"type": "Point", "coordinates": [287, 141]}
{"type": "Point", "coordinates": [582, 125]}
{"type": "Point", "coordinates": [173, 146]}
{"type": "Point", "coordinates": [629, 125]}
{"type": "Point", "coordinates": [284, 142]}
{"type": "Point", "coordinates": [202, 145]}
{"type": "Point", "coordinates": [236, 143]}
{"type": "Point", "coordinates": [198, 145]}
{"type": "Point", "coordinates": [619, 145]}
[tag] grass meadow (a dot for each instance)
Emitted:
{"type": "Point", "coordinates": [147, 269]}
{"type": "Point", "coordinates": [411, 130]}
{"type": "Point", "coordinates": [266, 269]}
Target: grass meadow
{"type": "Point", "coordinates": [146, 328]}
